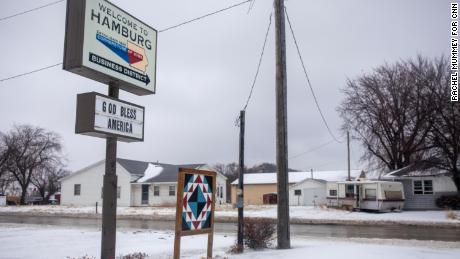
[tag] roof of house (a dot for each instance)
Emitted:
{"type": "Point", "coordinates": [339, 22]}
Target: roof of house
{"type": "Point", "coordinates": [148, 172]}
{"type": "Point", "coordinates": [296, 177]}
{"type": "Point", "coordinates": [154, 172]}
{"type": "Point", "coordinates": [420, 168]}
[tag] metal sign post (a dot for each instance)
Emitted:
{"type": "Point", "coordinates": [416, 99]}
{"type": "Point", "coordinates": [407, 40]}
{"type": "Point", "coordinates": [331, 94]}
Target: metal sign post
{"type": "Point", "coordinates": [109, 193]}
{"type": "Point", "coordinates": [195, 206]}
{"type": "Point", "coordinates": [107, 44]}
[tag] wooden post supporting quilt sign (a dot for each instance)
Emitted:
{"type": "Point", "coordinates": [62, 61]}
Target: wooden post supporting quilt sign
{"type": "Point", "coordinates": [195, 206]}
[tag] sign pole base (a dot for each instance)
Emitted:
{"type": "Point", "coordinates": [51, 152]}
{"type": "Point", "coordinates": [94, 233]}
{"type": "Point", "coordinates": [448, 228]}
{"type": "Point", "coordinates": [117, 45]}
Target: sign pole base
{"type": "Point", "coordinates": [109, 193]}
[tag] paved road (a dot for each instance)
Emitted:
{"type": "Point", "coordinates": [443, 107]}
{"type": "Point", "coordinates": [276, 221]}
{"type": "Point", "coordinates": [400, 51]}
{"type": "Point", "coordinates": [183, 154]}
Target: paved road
{"type": "Point", "coordinates": [342, 231]}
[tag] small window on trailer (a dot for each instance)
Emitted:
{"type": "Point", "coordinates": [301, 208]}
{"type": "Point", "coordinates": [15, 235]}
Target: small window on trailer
{"type": "Point", "coordinates": [370, 194]}
{"type": "Point", "coordinates": [332, 192]}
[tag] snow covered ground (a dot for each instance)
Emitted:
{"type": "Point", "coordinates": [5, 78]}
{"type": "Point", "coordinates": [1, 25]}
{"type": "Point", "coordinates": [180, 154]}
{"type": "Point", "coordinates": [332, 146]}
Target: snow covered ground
{"type": "Point", "coordinates": [296, 212]}
{"type": "Point", "coordinates": [49, 242]}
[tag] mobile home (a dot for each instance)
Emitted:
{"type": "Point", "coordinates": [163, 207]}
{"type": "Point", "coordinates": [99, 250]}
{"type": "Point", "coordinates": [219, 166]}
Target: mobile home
{"type": "Point", "coordinates": [366, 195]}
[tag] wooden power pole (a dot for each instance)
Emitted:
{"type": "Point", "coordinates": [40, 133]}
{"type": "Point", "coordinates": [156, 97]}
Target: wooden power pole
{"type": "Point", "coordinates": [348, 154]}
{"type": "Point", "coordinates": [109, 193]}
{"type": "Point", "coordinates": [240, 192]}
{"type": "Point", "coordinates": [283, 231]}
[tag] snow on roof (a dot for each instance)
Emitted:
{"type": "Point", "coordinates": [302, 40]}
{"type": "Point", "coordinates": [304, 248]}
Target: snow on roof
{"type": "Point", "coordinates": [295, 177]}
{"type": "Point", "coordinates": [151, 171]}
{"type": "Point", "coordinates": [336, 176]}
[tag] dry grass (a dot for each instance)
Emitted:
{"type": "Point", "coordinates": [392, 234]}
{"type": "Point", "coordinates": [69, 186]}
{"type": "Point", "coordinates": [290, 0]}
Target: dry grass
{"type": "Point", "coordinates": [450, 214]}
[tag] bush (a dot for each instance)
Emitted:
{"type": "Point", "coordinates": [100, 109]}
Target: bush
{"type": "Point", "coordinates": [258, 232]}
{"type": "Point", "coordinates": [449, 201]}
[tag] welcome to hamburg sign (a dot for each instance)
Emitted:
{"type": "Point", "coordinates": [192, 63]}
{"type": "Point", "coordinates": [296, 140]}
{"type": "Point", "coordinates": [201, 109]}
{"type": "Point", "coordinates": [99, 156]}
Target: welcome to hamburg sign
{"type": "Point", "coordinates": [195, 205]}
{"type": "Point", "coordinates": [106, 44]}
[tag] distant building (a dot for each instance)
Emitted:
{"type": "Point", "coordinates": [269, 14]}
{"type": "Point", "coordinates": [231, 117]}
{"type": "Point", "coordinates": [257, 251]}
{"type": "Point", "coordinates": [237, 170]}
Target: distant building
{"type": "Point", "coordinates": [139, 184]}
{"type": "Point", "coordinates": [303, 186]}
{"type": "Point", "coordinates": [423, 184]}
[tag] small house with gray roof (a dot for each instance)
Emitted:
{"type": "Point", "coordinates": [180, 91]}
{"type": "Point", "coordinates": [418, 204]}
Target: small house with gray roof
{"type": "Point", "coordinates": [423, 183]}
{"type": "Point", "coordinates": [140, 183]}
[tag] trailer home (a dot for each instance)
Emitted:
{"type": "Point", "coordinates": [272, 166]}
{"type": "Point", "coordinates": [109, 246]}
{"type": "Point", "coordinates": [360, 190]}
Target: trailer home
{"type": "Point", "coordinates": [366, 195]}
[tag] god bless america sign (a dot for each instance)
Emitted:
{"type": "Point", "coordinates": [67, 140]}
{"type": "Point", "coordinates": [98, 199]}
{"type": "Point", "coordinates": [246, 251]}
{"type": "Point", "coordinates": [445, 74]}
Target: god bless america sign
{"type": "Point", "coordinates": [106, 44]}
{"type": "Point", "coordinates": [99, 116]}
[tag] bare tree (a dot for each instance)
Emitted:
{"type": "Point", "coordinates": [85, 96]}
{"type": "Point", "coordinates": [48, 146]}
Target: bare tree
{"type": "Point", "coordinates": [5, 176]}
{"type": "Point", "coordinates": [46, 180]}
{"type": "Point", "coordinates": [390, 112]}
{"type": "Point", "coordinates": [30, 148]}
{"type": "Point", "coordinates": [444, 136]}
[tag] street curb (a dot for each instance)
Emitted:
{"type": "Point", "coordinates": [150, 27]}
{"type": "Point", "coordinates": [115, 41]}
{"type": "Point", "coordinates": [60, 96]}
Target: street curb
{"type": "Point", "coordinates": [227, 219]}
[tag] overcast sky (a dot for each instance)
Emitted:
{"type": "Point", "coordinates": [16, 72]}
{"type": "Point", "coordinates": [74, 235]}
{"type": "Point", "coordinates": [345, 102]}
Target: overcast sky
{"type": "Point", "coordinates": [205, 70]}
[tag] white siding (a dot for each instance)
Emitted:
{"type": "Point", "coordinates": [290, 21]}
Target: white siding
{"type": "Point", "coordinates": [443, 184]}
{"type": "Point", "coordinates": [221, 182]}
{"type": "Point", "coordinates": [91, 179]}
{"type": "Point", "coordinates": [295, 200]}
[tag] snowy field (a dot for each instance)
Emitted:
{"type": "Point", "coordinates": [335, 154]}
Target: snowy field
{"type": "Point", "coordinates": [296, 212]}
{"type": "Point", "coordinates": [46, 242]}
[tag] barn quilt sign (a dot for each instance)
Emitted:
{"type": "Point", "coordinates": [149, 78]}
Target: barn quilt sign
{"type": "Point", "coordinates": [195, 206]}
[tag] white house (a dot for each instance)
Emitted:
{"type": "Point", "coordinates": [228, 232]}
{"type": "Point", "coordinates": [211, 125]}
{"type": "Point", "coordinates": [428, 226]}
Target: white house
{"type": "Point", "coordinates": [312, 190]}
{"type": "Point", "coordinates": [423, 184]}
{"type": "Point", "coordinates": [139, 184]}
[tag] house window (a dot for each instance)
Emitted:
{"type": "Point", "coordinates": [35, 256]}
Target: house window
{"type": "Point", "coordinates": [76, 189]}
{"type": "Point", "coordinates": [172, 190]}
{"type": "Point", "coordinates": [221, 192]}
{"type": "Point", "coordinates": [156, 190]}
{"type": "Point", "coordinates": [332, 192]}
{"type": "Point", "coordinates": [218, 191]}
{"type": "Point", "coordinates": [370, 194]}
{"type": "Point", "coordinates": [423, 187]}
{"type": "Point", "coordinates": [297, 192]}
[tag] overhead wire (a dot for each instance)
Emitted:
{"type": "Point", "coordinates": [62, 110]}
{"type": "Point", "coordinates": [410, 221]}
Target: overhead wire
{"type": "Point", "coordinates": [260, 62]}
{"type": "Point", "coordinates": [163, 30]}
{"type": "Point", "coordinates": [312, 149]}
{"type": "Point", "coordinates": [308, 80]}
{"type": "Point", "coordinates": [30, 72]}
{"type": "Point", "coordinates": [30, 10]}
{"type": "Point", "coordinates": [204, 16]}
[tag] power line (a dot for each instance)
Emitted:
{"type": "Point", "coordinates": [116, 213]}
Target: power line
{"type": "Point", "coordinates": [204, 16]}
{"type": "Point", "coordinates": [31, 10]}
{"type": "Point", "coordinates": [308, 80]}
{"type": "Point", "coordinates": [30, 72]}
{"type": "Point", "coordinates": [166, 29]}
{"type": "Point", "coordinates": [312, 149]}
{"type": "Point", "coordinates": [260, 61]}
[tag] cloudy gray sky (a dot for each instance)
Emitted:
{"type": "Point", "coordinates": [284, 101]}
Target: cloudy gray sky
{"type": "Point", "coordinates": [205, 70]}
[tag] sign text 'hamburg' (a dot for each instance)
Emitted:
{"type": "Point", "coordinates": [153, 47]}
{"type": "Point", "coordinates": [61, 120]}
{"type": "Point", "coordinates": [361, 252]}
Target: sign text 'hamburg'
{"type": "Point", "coordinates": [99, 115]}
{"type": "Point", "coordinates": [107, 44]}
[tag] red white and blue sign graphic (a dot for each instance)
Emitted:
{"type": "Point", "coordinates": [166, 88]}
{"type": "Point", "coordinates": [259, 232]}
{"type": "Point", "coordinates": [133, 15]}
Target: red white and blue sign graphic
{"type": "Point", "coordinates": [197, 202]}
{"type": "Point", "coordinates": [130, 53]}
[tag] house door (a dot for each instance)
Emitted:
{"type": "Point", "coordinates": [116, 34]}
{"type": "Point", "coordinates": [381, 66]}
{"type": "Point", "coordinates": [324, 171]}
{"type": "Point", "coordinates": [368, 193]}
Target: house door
{"type": "Point", "coordinates": [145, 194]}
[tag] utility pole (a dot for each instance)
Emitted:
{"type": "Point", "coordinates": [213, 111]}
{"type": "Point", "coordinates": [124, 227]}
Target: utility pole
{"type": "Point", "coordinates": [348, 154]}
{"type": "Point", "coordinates": [240, 192]}
{"type": "Point", "coordinates": [109, 192]}
{"type": "Point", "coordinates": [283, 231]}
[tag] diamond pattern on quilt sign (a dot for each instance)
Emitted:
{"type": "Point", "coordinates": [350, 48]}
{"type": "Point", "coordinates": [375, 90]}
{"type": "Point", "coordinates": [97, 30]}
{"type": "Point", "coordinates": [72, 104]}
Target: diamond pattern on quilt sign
{"type": "Point", "coordinates": [197, 202]}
